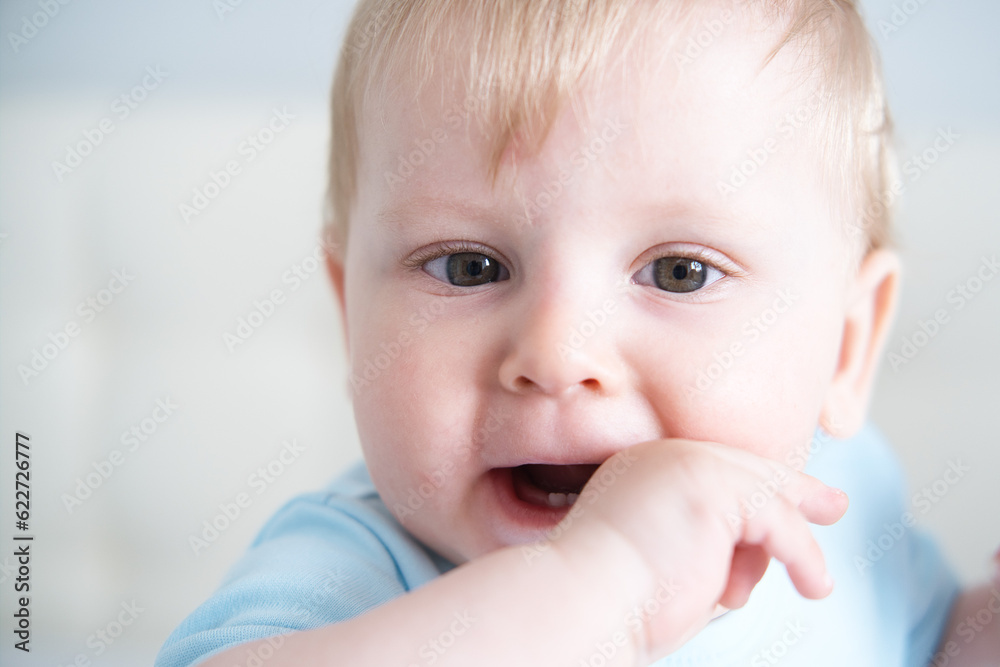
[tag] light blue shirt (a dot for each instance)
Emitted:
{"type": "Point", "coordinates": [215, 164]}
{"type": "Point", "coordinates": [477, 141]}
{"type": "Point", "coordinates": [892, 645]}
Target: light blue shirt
{"type": "Point", "coordinates": [332, 555]}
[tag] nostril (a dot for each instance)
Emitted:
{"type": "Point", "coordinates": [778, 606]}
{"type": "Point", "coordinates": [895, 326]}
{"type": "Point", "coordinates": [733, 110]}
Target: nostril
{"type": "Point", "coordinates": [524, 384]}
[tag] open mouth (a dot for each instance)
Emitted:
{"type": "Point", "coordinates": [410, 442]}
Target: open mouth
{"type": "Point", "coordinates": [552, 486]}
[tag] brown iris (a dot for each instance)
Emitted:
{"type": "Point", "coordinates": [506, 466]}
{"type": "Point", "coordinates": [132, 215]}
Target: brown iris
{"type": "Point", "coordinates": [679, 274]}
{"type": "Point", "coordinates": [468, 269]}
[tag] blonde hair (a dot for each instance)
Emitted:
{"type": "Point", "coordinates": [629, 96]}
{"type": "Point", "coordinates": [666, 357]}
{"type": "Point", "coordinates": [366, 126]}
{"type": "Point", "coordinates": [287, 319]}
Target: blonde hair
{"type": "Point", "coordinates": [522, 60]}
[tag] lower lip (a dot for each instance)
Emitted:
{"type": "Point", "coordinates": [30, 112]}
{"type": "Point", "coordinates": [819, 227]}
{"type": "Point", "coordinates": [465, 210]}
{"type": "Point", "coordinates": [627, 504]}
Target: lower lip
{"type": "Point", "coordinates": [520, 521]}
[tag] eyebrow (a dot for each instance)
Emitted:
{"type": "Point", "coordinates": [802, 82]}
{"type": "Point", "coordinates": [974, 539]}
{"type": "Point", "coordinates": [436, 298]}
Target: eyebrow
{"type": "Point", "coordinates": [424, 209]}
{"type": "Point", "coordinates": [421, 208]}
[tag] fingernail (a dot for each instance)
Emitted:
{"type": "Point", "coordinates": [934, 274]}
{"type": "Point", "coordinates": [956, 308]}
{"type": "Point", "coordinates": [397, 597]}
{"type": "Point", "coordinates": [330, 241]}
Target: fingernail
{"type": "Point", "coordinates": [838, 492]}
{"type": "Point", "coordinates": [828, 581]}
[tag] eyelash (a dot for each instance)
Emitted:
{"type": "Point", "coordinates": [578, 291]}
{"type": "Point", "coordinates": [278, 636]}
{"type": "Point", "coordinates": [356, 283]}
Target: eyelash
{"type": "Point", "coordinates": [728, 269]}
{"type": "Point", "coordinates": [721, 267]}
{"type": "Point", "coordinates": [424, 255]}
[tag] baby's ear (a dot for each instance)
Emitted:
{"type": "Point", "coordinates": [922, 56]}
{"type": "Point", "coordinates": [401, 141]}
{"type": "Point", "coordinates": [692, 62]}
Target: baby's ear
{"type": "Point", "coordinates": [335, 268]}
{"type": "Point", "coordinates": [871, 308]}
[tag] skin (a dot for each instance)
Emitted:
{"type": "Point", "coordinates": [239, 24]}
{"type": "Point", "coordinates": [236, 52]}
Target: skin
{"type": "Point", "coordinates": [496, 347]}
{"type": "Point", "coordinates": [489, 377]}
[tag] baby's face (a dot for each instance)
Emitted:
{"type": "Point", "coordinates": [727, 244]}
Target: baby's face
{"type": "Point", "coordinates": [491, 353]}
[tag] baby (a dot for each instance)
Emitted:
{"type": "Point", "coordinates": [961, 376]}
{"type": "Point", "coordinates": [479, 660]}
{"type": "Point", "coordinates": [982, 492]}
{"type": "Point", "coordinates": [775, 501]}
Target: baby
{"type": "Point", "coordinates": [612, 275]}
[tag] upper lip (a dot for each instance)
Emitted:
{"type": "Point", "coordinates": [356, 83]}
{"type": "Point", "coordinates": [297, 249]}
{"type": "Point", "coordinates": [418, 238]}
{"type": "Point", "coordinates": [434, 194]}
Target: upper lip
{"type": "Point", "coordinates": [546, 435]}
{"type": "Point", "coordinates": [550, 462]}
{"type": "Point", "coordinates": [559, 453]}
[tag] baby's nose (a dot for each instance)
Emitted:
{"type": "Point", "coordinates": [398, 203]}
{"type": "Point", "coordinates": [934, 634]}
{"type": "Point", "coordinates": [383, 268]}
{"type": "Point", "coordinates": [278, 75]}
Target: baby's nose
{"type": "Point", "coordinates": [560, 344]}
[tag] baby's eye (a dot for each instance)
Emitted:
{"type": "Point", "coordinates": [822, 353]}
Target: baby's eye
{"type": "Point", "coordinates": [467, 269]}
{"type": "Point", "coordinates": [678, 274]}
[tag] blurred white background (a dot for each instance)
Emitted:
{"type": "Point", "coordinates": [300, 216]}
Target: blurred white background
{"type": "Point", "coordinates": [161, 337]}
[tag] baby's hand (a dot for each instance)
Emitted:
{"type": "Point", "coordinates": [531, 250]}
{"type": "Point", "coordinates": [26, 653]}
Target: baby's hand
{"type": "Point", "coordinates": [705, 517]}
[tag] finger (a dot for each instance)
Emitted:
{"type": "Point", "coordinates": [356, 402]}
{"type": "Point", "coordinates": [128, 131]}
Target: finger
{"type": "Point", "coordinates": [819, 503]}
{"type": "Point", "coordinates": [781, 531]}
{"type": "Point", "coordinates": [749, 564]}
{"type": "Point", "coordinates": [826, 507]}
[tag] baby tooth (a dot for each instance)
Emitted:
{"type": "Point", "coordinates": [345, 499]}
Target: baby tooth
{"type": "Point", "coordinates": [557, 499]}
{"type": "Point", "coordinates": [571, 498]}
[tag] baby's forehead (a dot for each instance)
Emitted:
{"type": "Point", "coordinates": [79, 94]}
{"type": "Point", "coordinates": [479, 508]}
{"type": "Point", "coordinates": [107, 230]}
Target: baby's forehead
{"type": "Point", "coordinates": [648, 158]}
{"type": "Point", "coordinates": [705, 112]}
{"type": "Point", "coordinates": [698, 67]}
{"type": "Point", "coordinates": [716, 87]}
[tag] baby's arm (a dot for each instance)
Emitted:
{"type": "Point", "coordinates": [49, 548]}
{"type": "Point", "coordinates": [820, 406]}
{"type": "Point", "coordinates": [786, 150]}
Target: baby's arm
{"type": "Point", "coordinates": [668, 528]}
{"type": "Point", "coordinates": [972, 637]}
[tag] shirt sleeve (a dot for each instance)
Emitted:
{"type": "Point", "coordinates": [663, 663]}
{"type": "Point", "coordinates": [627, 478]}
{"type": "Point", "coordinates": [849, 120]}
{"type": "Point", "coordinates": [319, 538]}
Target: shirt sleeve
{"type": "Point", "coordinates": [932, 591]}
{"type": "Point", "coordinates": [321, 559]}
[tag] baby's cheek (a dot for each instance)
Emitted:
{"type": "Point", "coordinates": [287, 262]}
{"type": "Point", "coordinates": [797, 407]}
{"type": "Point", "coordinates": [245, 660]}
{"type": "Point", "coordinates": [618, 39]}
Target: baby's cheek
{"type": "Point", "coordinates": [775, 394]}
{"type": "Point", "coordinates": [760, 390]}
{"type": "Point", "coordinates": [412, 418]}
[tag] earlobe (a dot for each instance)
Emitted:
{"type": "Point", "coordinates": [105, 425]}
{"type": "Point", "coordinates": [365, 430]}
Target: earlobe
{"type": "Point", "coordinates": [870, 311]}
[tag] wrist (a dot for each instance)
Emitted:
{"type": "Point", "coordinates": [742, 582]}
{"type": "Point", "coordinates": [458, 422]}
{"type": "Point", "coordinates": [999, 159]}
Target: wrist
{"type": "Point", "coordinates": [601, 560]}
